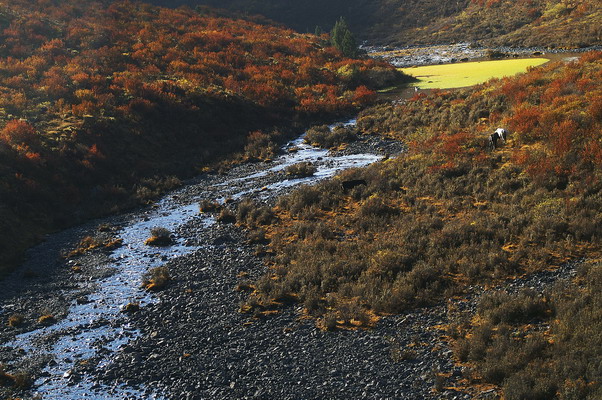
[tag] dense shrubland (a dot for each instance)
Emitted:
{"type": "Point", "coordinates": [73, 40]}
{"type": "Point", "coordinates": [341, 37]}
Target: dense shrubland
{"type": "Point", "coordinates": [538, 346]}
{"type": "Point", "coordinates": [100, 102]}
{"type": "Point", "coordinates": [449, 213]}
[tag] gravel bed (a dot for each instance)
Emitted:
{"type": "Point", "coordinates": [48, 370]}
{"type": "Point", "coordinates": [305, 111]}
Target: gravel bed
{"type": "Point", "coordinates": [195, 343]}
{"type": "Point", "coordinates": [442, 54]}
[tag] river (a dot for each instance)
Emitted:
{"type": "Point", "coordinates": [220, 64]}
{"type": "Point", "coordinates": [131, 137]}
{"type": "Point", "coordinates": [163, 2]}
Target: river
{"type": "Point", "coordinates": [90, 327]}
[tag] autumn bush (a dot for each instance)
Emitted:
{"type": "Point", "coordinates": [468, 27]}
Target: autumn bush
{"type": "Point", "coordinates": [16, 320]}
{"type": "Point", "coordinates": [156, 278]}
{"type": "Point", "coordinates": [159, 237]}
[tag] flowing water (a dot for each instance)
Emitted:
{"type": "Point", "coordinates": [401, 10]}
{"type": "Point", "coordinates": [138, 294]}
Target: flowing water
{"type": "Point", "coordinates": [91, 329]}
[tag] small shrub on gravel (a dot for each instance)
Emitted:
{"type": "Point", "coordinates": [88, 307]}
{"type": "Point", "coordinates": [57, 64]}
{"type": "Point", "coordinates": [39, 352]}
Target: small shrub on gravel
{"type": "Point", "coordinates": [316, 135]}
{"type": "Point", "coordinates": [5, 379]}
{"type": "Point", "coordinates": [22, 380]}
{"type": "Point", "coordinates": [19, 380]}
{"type": "Point", "coordinates": [131, 307]}
{"type": "Point", "coordinates": [47, 319]}
{"type": "Point", "coordinates": [300, 170]}
{"type": "Point", "coordinates": [329, 322]}
{"type": "Point", "coordinates": [207, 206]}
{"type": "Point", "coordinates": [323, 136]}
{"type": "Point", "coordinates": [159, 237]}
{"type": "Point", "coordinates": [156, 279]}
{"type": "Point", "coordinates": [253, 214]}
{"type": "Point", "coordinates": [226, 216]}
{"type": "Point", "coordinates": [16, 320]}
{"type": "Point", "coordinates": [90, 243]}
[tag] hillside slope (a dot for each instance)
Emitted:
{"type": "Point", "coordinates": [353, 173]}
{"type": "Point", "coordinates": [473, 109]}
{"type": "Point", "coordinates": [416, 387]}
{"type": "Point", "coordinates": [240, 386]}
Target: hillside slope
{"type": "Point", "coordinates": [451, 215]}
{"type": "Point", "coordinates": [546, 23]}
{"type": "Point", "coordinates": [101, 102]}
{"type": "Point", "coordinates": [521, 23]}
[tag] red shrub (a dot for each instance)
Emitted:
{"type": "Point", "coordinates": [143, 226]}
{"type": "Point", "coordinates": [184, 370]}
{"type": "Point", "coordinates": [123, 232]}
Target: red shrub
{"type": "Point", "coordinates": [525, 122]}
{"type": "Point", "coordinates": [363, 95]}
{"type": "Point", "coordinates": [562, 137]}
{"type": "Point", "coordinates": [17, 132]}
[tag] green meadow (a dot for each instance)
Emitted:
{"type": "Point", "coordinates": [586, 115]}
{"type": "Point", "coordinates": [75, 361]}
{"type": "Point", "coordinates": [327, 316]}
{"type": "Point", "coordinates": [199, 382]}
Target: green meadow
{"type": "Point", "coordinates": [450, 76]}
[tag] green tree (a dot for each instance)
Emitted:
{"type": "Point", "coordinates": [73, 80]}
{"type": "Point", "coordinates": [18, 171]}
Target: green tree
{"type": "Point", "coordinates": [343, 39]}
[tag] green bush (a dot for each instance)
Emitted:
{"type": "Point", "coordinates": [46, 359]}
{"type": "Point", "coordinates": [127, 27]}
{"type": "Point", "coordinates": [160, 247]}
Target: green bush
{"type": "Point", "coordinates": [300, 170]}
{"type": "Point", "coordinates": [323, 136]}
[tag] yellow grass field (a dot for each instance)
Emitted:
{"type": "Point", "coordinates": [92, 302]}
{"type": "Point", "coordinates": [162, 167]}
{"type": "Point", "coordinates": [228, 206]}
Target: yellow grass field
{"type": "Point", "coordinates": [450, 76]}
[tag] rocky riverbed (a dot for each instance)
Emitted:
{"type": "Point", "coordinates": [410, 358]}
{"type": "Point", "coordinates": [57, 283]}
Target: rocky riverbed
{"type": "Point", "coordinates": [461, 52]}
{"type": "Point", "coordinates": [89, 330]}
{"type": "Point", "coordinates": [106, 338]}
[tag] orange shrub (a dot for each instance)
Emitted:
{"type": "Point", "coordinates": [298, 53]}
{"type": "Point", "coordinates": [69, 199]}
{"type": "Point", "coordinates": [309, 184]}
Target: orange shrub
{"type": "Point", "coordinates": [595, 109]}
{"type": "Point", "coordinates": [525, 123]}
{"type": "Point", "coordinates": [363, 95]}
{"type": "Point", "coordinates": [17, 132]}
{"type": "Point", "coordinates": [562, 138]}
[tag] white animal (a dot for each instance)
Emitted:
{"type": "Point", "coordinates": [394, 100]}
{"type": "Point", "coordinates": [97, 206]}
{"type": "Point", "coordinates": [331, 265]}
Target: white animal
{"type": "Point", "coordinates": [500, 133]}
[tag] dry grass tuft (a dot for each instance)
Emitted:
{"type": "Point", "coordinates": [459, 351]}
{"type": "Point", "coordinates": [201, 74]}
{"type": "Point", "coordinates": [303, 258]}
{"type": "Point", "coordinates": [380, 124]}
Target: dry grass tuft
{"type": "Point", "coordinates": [16, 320]}
{"type": "Point", "coordinates": [156, 279]}
{"type": "Point", "coordinates": [47, 319]}
{"type": "Point", "coordinates": [300, 170]}
{"type": "Point", "coordinates": [159, 237]}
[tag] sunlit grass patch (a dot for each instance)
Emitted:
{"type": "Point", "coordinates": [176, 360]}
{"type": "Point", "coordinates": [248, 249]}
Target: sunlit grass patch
{"type": "Point", "coordinates": [449, 76]}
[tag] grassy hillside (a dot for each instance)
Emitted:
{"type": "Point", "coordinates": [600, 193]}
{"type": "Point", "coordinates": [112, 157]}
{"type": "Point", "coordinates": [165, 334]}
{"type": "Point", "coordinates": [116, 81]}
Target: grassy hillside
{"type": "Point", "coordinates": [371, 19]}
{"type": "Point", "coordinates": [101, 103]}
{"type": "Point", "coordinates": [522, 23]}
{"type": "Point", "coordinates": [450, 213]}
{"type": "Point", "coordinates": [555, 23]}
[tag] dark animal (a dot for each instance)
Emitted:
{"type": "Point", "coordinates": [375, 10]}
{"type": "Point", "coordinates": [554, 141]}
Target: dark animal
{"type": "Point", "coordinates": [499, 134]}
{"type": "Point", "coordinates": [348, 185]}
